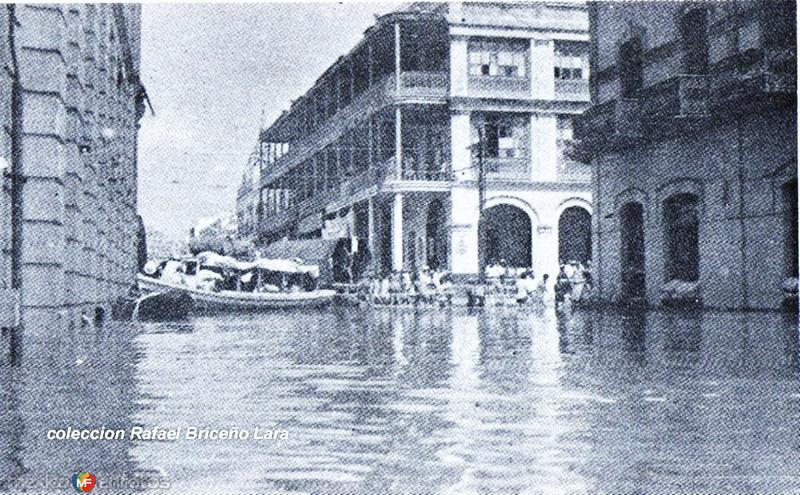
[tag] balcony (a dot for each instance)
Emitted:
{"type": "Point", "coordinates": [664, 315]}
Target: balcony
{"type": "Point", "coordinates": [507, 168]}
{"type": "Point", "coordinates": [419, 83]}
{"type": "Point", "coordinates": [612, 122]}
{"type": "Point", "coordinates": [763, 72]}
{"type": "Point", "coordinates": [684, 96]}
{"type": "Point", "coordinates": [572, 90]}
{"type": "Point", "coordinates": [500, 86]}
{"type": "Point", "coordinates": [418, 171]}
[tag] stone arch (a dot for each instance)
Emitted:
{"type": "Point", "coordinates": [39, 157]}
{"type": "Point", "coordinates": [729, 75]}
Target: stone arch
{"type": "Point", "coordinates": [513, 201]}
{"type": "Point", "coordinates": [632, 195]}
{"type": "Point", "coordinates": [574, 201]}
{"type": "Point", "coordinates": [680, 185]}
{"type": "Point", "coordinates": [507, 232]}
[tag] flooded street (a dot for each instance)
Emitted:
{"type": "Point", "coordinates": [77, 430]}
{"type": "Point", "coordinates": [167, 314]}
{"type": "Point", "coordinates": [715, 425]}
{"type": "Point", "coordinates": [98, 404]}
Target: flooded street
{"type": "Point", "coordinates": [502, 401]}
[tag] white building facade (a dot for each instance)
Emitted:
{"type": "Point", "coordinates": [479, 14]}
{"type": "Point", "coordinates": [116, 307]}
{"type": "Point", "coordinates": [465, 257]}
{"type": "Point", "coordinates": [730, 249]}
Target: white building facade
{"type": "Point", "coordinates": [388, 144]}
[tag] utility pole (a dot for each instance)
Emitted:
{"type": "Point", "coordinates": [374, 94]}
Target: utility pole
{"type": "Point", "coordinates": [481, 198]}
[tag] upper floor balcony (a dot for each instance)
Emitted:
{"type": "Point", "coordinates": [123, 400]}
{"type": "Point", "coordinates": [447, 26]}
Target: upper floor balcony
{"type": "Point", "coordinates": [764, 72]}
{"type": "Point", "coordinates": [500, 86]}
{"type": "Point", "coordinates": [572, 89]}
{"type": "Point", "coordinates": [423, 83]}
{"type": "Point", "coordinates": [680, 96]}
{"type": "Point", "coordinates": [518, 168]}
{"type": "Point", "coordinates": [405, 56]}
{"type": "Point", "coordinates": [612, 122]}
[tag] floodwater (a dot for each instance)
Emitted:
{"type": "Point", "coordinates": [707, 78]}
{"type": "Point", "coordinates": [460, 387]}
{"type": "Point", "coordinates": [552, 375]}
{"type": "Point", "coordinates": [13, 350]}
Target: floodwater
{"type": "Point", "coordinates": [503, 400]}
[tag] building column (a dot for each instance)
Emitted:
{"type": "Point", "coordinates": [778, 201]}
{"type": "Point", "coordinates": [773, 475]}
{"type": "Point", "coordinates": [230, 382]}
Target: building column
{"type": "Point", "coordinates": [397, 232]}
{"type": "Point", "coordinates": [543, 148]}
{"type": "Point", "coordinates": [371, 228]}
{"type": "Point", "coordinates": [459, 67]}
{"type": "Point", "coordinates": [460, 152]}
{"type": "Point", "coordinates": [464, 211]}
{"type": "Point", "coordinates": [398, 142]}
{"type": "Point", "coordinates": [542, 55]}
{"type": "Point", "coordinates": [397, 65]}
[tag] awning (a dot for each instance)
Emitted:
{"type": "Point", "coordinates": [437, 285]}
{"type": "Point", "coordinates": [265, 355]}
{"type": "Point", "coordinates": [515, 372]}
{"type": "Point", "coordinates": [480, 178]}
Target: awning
{"type": "Point", "coordinates": [210, 258]}
{"type": "Point", "coordinates": [314, 252]}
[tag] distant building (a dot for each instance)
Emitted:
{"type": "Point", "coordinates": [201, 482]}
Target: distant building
{"type": "Point", "coordinates": [69, 146]}
{"type": "Point", "coordinates": [247, 204]}
{"type": "Point", "coordinates": [384, 146]}
{"type": "Point", "coordinates": [693, 136]}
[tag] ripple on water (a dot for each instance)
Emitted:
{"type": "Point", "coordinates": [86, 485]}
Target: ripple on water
{"type": "Point", "coordinates": [450, 401]}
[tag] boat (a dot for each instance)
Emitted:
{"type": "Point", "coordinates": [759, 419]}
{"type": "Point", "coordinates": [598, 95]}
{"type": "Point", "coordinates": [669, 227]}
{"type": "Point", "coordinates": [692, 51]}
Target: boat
{"type": "Point", "coordinates": [206, 300]}
{"type": "Point", "coordinates": [169, 305]}
{"type": "Point", "coordinates": [165, 305]}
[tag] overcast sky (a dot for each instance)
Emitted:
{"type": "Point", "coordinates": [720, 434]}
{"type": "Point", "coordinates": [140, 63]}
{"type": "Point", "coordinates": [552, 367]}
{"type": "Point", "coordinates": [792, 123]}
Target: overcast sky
{"type": "Point", "coordinates": [210, 70]}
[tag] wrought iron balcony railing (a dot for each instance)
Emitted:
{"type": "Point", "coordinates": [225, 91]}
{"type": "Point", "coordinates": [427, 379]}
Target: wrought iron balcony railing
{"type": "Point", "coordinates": [614, 119]}
{"type": "Point", "coordinates": [507, 168]}
{"type": "Point", "coordinates": [680, 96]}
{"type": "Point", "coordinates": [518, 87]}
{"type": "Point", "coordinates": [754, 72]}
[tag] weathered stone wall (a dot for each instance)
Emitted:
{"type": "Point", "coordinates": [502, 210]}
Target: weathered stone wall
{"type": "Point", "coordinates": [78, 69]}
{"type": "Point", "coordinates": [737, 171]}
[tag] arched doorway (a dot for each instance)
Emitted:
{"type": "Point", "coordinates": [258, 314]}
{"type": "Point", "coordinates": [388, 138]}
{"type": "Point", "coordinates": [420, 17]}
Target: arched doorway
{"type": "Point", "coordinates": [575, 235]}
{"type": "Point", "coordinates": [506, 236]}
{"type": "Point", "coordinates": [681, 237]}
{"type": "Point", "coordinates": [436, 235]}
{"type": "Point", "coordinates": [632, 251]}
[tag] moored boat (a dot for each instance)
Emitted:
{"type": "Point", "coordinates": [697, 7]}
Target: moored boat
{"type": "Point", "coordinates": [239, 300]}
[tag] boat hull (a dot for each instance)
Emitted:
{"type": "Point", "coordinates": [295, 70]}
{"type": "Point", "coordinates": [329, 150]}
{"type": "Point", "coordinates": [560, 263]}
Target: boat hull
{"type": "Point", "coordinates": [240, 301]}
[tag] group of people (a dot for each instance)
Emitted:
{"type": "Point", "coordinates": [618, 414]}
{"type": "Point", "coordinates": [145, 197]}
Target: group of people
{"type": "Point", "coordinates": [573, 283]}
{"type": "Point", "coordinates": [405, 287]}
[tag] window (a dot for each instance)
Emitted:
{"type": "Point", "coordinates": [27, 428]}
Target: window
{"type": "Point", "coordinates": [567, 73]}
{"type": "Point", "coordinates": [630, 67]}
{"type": "Point", "coordinates": [497, 59]}
{"type": "Point", "coordinates": [571, 60]}
{"type": "Point", "coordinates": [503, 140]}
{"type": "Point", "coordinates": [694, 41]}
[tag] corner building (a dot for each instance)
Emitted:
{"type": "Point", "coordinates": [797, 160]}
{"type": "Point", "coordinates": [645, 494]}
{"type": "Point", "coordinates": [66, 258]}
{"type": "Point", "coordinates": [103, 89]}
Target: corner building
{"type": "Point", "coordinates": [385, 146]}
{"type": "Point", "coordinates": [71, 100]}
{"type": "Point", "coordinates": [693, 142]}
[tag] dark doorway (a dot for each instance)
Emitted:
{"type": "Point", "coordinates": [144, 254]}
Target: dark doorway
{"type": "Point", "coordinates": [681, 236]}
{"type": "Point", "coordinates": [632, 251]}
{"type": "Point", "coordinates": [507, 236]}
{"type": "Point", "coordinates": [575, 235]}
{"type": "Point", "coordinates": [790, 228]}
{"type": "Point", "coordinates": [436, 235]}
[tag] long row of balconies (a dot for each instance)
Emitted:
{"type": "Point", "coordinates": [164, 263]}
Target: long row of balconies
{"type": "Point", "coordinates": [734, 85]}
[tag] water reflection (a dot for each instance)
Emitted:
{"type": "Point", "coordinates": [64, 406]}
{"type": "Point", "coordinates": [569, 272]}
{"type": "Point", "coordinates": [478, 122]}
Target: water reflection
{"type": "Point", "coordinates": [59, 377]}
{"type": "Point", "coordinates": [416, 400]}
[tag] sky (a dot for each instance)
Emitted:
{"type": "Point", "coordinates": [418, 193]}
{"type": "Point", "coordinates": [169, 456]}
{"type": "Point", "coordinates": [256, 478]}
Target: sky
{"type": "Point", "coordinates": [214, 73]}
